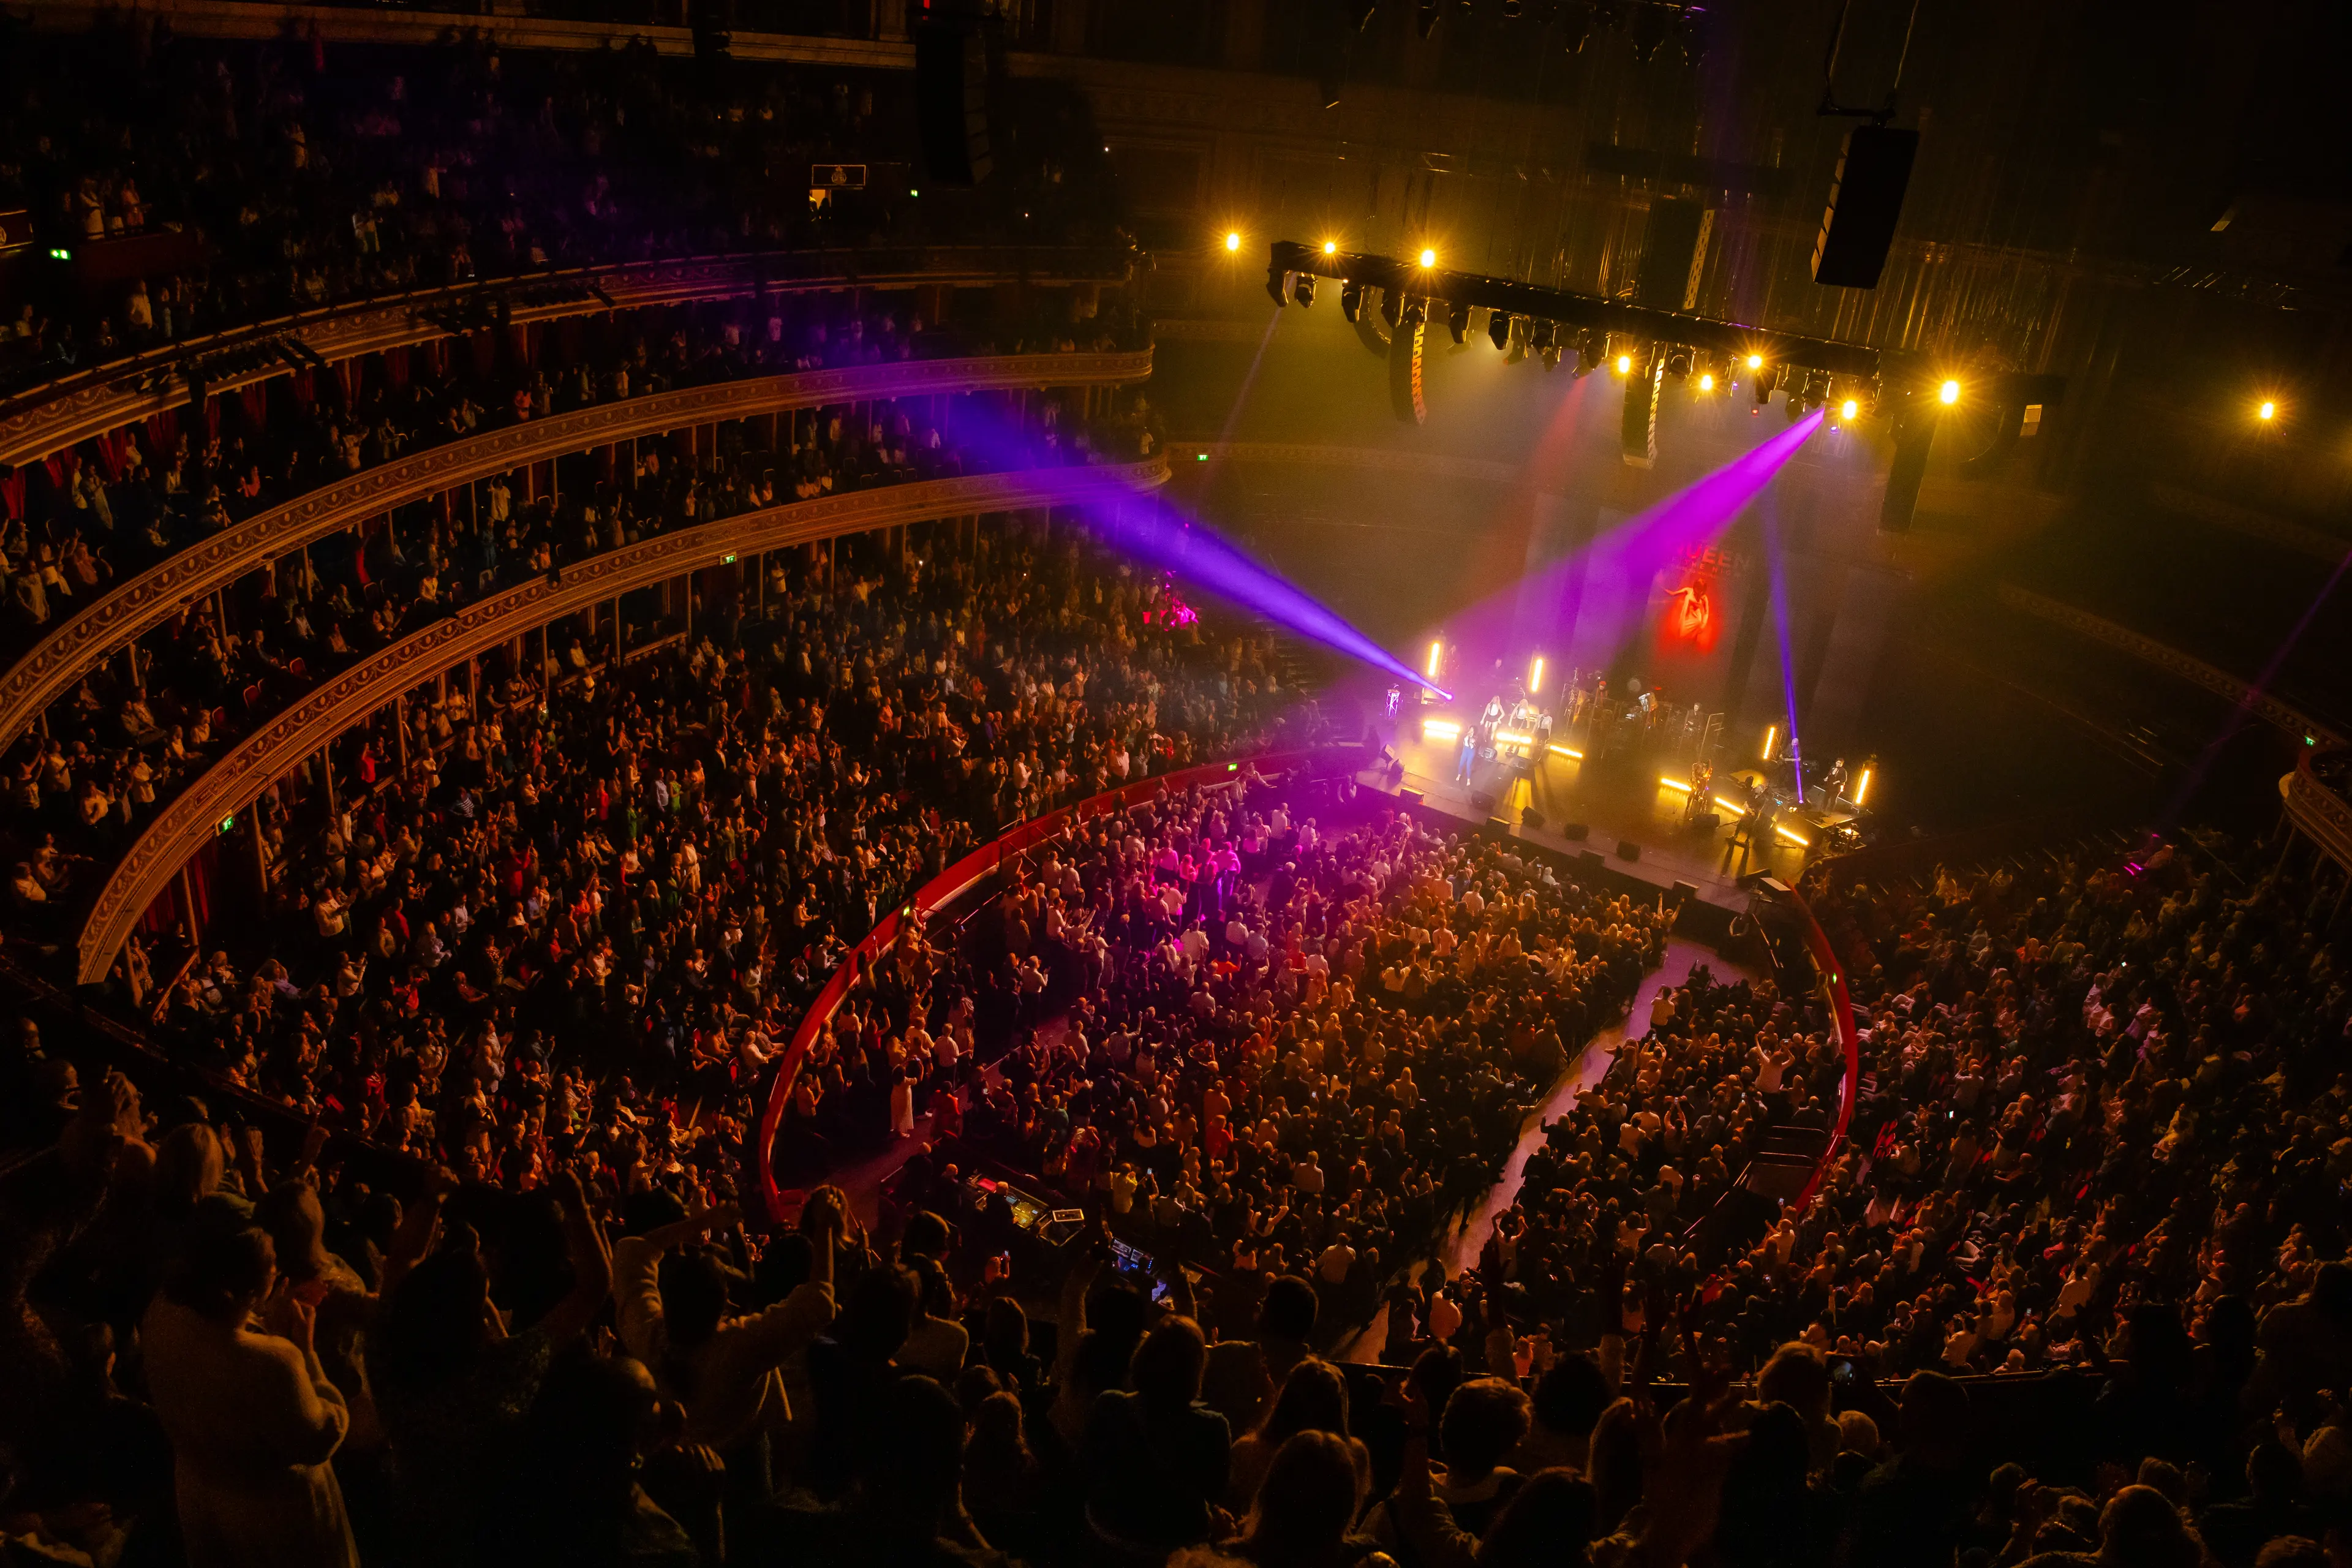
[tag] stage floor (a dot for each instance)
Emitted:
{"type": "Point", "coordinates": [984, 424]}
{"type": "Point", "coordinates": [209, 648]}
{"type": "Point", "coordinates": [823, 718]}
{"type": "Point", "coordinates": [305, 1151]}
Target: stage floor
{"type": "Point", "coordinates": [1617, 798]}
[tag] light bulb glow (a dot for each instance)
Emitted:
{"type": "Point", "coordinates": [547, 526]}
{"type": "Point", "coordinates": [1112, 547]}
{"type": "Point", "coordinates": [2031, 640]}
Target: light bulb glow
{"type": "Point", "coordinates": [1950, 392]}
{"type": "Point", "coordinates": [1233, 240]}
{"type": "Point", "coordinates": [1428, 258]}
{"type": "Point", "coordinates": [1435, 651]}
{"type": "Point", "coordinates": [2269, 410]}
{"type": "Point", "coordinates": [1535, 676]}
{"type": "Point", "coordinates": [1756, 361]}
{"type": "Point", "coordinates": [1331, 248]}
{"type": "Point", "coordinates": [1848, 409]}
{"type": "Point", "coordinates": [1707, 381]}
{"type": "Point", "coordinates": [1624, 365]}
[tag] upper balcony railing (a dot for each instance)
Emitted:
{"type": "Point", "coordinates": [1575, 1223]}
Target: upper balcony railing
{"type": "Point", "coordinates": [69, 652]}
{"type": "Point", "coordinates": [47, 418]}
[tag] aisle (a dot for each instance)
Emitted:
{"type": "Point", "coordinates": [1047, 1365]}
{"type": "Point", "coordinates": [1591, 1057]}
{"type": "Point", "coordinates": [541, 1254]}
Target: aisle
{"type": "Point", "coordinates": [1459, 1249]}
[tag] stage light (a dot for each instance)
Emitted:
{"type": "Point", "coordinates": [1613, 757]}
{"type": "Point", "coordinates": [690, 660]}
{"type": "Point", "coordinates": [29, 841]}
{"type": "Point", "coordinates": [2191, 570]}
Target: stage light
{"type": "Point", "coordinates": [1756, 361]}
{"type": "Point", "coordinates": [1233, 239]}
{"type": "Point", "coordinates": [1799, 839]}
{"type": "Point", "coordinates": [1331, 248]}
{"type": "Point", "coordinates": [1535, 676]}
{"type": "Point", "coordinates": [2269, 410]}
{"type": "Point", "coordinates": [1624, 365]}
{"type": "Point", "coordinates": [1570, 752]}
{"type": "Point", "coordinates": [1678, 366]}
{"type": "Point", "coordinates": [1360, 12]}
{"type": "Point", "coordinates": [1391, 307]}
{"type": "Point", "coordinates": [1428, 256]}
{"type": "Point", "coordinates": [1848, 409]}
{"type": "Point", "coordinates": [1706, 380]}
{"type": "Point", "coordinates": [1351, 298]}
{"type": "Point", "coordinates": [1303, 288]}
{"type": "Point", "coordinates": [1771, 733]}
{"type": "Point", "coordinates": [1498, 329]}
{"type": "Point", "coordinates": [1440, 730]}
{"type": "Point", "coordinates": [1542, 336]}
{"type": "Point", "coordinates": [1514, 738]}
{"type": "Point", "coordinates": [1436, 651]}
{"type": "Point", "coordinates": [1673, 783]}
{"type": "Point", "coordinates": [1457, 323]}
{"type": "Point", "coordinates": [1729, 807]}
{"type": "Point", "coordinates": [1950, 393]}
{"type": "Point", "coordinates": [1424, 17]}
{"type": "Point", "coordinates": [1861, 786]}
{"type": "Point", "coordinates": [1414, 313]}
{"type": "Point", "coordinates": [1275, 280]}
{"type": "Point", "coordinates": [1589, 350]}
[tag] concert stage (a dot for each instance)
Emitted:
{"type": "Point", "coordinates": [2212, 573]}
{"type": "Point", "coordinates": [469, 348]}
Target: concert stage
{"type": "Point", "coordinates": [1617, 799]}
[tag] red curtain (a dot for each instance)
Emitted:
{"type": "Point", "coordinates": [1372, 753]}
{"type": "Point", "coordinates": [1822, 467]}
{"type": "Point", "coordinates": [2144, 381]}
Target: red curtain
{"type": "Point", "coordinates": [163, 429]}
{"type": "Point", "coordinates": [162, 916]}
{"type": "Point", "coordinates": [113, 452]}
{"type": "Point", "coordinates": [12, 495]}
{"type": "Point", "coordinates": [395, 366]}
{"type": "Point", "coordinates": [305, 387]}
{"type": "Point", "coordinates": [212, 418]}
{"type": "Point", "coordinates": [256, 399]}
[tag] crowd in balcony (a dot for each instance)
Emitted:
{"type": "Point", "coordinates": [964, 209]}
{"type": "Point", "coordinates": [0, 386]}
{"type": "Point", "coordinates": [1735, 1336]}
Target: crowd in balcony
{"type": "Point", "coordinates": [124, 742]}
{"type": "Point", "coordinates": [280, 175]}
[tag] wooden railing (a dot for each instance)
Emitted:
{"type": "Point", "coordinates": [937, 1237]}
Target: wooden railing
{"type": "Point", "coordinates": [961, 878]}
{"type": "Point", "coordinates": [141, 603]}
{"type": "Point", "coordinates": [277, 747]}
{"type": "Point", "coordinates": [56, 414]}
{"type": "Point", "coordinates": [2315, 810]}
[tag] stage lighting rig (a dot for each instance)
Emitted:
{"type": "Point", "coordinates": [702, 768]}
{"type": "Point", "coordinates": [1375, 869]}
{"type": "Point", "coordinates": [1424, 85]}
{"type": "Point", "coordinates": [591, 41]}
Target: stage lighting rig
{"type": "Point", "coordinates": [1360, 12]}
{"type": "Point", "coordinates": [1647, 34]}
{"type": "Point", "coordinates": [1575, 25]}
{"type": "Point", "coordinates": [1524, 318]}
{"type": "Point", "coordinates": [1278, 283]}
{"type": "Point", "coordinates": [1425, 15]}
{"type": "Point", "coordinates": [1302, 288]}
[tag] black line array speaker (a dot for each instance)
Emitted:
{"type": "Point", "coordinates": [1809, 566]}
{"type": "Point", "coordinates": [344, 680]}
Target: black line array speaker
{"type": "Point", "coordinates": [951, 103]}
{"type": "Point", "coordinates": [1915, 432]}
{"type": "Point", "coordinates": [1673, 254]}
{"type": "Point", "coordinates": [1865, 198]}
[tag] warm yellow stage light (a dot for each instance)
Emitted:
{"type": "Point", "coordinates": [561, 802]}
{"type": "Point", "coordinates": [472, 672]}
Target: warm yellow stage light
{"type": "Point", "coordinates": [1435, 649]}
{"type": "Point", "coordinates": [1673, 783]}
{"type": "Point", "coordinates": [1535, 676]}
{"type": "Point", "coordinates": [1233, 240]}
{"type": "Point", "coordinates": [1331, 248]}
{"type": "Point", "coordinates": [1570, 752]}
{"type": "Point", "coordinates": [1950, 392]}
{"type": "Point", "coordinates": [1707, 381]}
{"type": "Point", "coordinates": [1624, 365]}
{"type": "Point", "coordinates": [1771, 733]}
{"type": "Point", "coordinates": [1848, 409]}
{"type": "Point", "coordinates": [1440, 730]}
{"type": "Point", "coordinates": [1756, 361]}
{"type": "Point", "coordinates": [1428, 258]}
{"type": "Point", "coordinates": [1861, 786]}
{"type": "Point", "coordinates": [2269, 410]}
{"type": "Point", "coordinates": [1799, 839]}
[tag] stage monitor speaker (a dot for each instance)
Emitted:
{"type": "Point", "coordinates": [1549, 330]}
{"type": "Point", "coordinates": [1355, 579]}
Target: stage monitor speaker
{"type": "Point", "coordinates": [1576, 831]}
{"type": "Point", "coordinates": [1914, 432]}
{"type": "Point", "coordinates": [1865, 198]}
{"type": "Point", "coordinates": [1685, 889]}
{"type": "Point", "coordinates": [1532, 817]}
{"type": "Point", "coordinates": [951, 103]}
{"type": "Point", "coordinates": [1628, 850]}
{"type": "Point", "coordinates": [1591, 860]}
{"type": "Point", "coordinates": [1708, 821]}
{"type": "Point", "coordinates": [1410, 796]}
{"type": "Point", "coordinates": [1673, 254]}
{"type": "Point", "coordinates": [1482, 801]}
{"type": "Point", "coordinates": [1498, 827]}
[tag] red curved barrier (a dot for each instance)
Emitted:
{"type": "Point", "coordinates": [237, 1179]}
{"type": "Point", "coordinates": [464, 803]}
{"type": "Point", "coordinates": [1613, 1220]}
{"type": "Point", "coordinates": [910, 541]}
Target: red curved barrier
{"type": "Point", "coordinates": [1832, 974]}
{"type": "Point", "coordinates": [960, 879]}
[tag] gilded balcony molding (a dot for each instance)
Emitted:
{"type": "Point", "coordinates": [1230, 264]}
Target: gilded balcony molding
{"type": "Point", "coordinates": [2315, 810]}
{"type": "Point", "coordinates": [274, 749]}
{"type": "Point", "coordinates": [51, 669]}
{"type": "Point", "coordinates": [50, 417]}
